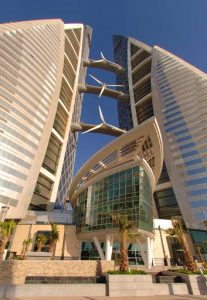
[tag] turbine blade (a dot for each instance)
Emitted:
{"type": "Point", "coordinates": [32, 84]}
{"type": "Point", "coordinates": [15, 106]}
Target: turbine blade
{"type": "Point", "coordinates": [102, 56]}
{"type": "Point", "coordinates": [101, 115]}
{"type": "Point", "coordinates": [96, 79]}
{"type": "Point", "coordinates": [115, 85]}
{"type": "Point", "coordinates": [92, 129]}
{"type": "Point", "coordinates": [110, 62]}
{"type": "Point", "coordinates": [102, 90]}
{"type": "Point", "coordinates": [116, 128]}
{"type": "Point", "coordinates": [96, 61]}
{"type": "Point", "coordinates": [113, 63]}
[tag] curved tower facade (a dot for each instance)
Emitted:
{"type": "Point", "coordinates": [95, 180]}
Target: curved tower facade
{"type": "Point", "coordinates": [39, 69]}
{"type": "Point", "coordinates": [163, 85]}
{"type": "Point", "coordinates": [83, 34]}
{"type": "Point", "coordinates": [138, 57]}
{"type": "Point", "coordinates": [180, 102]}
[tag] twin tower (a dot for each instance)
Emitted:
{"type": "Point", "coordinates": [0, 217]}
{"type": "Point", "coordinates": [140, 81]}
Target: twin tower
{"type": "Point", "coordinates": [155, 168]}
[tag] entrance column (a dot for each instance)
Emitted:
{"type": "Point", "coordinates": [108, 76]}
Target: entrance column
{"type": "Point", "coordinates": [98, 246]}
{"type": "Point", "coordinates": [109, 247]}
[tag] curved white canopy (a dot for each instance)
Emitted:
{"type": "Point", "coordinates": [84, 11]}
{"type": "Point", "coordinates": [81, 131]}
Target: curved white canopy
{"type": "Point", "coordinates": [143, 143]}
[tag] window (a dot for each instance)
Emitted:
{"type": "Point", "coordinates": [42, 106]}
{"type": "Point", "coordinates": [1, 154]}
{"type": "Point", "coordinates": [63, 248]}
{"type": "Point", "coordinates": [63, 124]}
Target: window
{"type": "Point", "coordinates": [183, 139]}
{"type": "Point", "coordinates": [196, 171]}
{"type": "Point", "coordinates": [200, 203]}
{"type": "Point", "coordinates": [164, 177]}
{"type": "Point", "coordinates": [174, 127]}
{"type": "Point", "coordinates": [191, 153]}
{"type": "Point", "coordinates": [196, 181]}
{"type": "Point", "coordinates": [181, 132]}
{"type": "Point", "coordinates": [186, 146]}
{"type": "Point", "coordinates": [45, 243]}
{"type": "Point", "coordinates": [193, 162]}
{"type": "Point", "coordinates": [166, 204]}
{"type": "Point", "coordinates": [198, 192]}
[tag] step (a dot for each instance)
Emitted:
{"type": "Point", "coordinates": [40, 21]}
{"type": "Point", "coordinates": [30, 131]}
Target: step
{"type": "Point", "coordinates": [63, 279]}
{"type": "Point", "coordinates": [168, 279]}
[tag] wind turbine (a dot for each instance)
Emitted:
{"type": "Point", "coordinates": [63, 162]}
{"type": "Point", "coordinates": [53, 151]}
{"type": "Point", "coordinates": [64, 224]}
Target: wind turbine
{"type": "Point", "coordinates": [103, 124]}
{"type": "Point", "coordinates": [103, 59]}
{"type": "Point", "coordinates": [100, 60]}
{"type": "Point", "coordinates": [104, 85]}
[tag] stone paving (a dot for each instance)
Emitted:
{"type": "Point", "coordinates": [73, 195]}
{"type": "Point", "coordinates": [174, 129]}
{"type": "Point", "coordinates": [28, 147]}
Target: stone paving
{"type": "Point", "coordinates": [188, 297]}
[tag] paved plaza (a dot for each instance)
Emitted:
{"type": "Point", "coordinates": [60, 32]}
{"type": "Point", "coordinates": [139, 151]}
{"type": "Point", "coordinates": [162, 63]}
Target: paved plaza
{"type": "Point", "coordinates": [188, 297]}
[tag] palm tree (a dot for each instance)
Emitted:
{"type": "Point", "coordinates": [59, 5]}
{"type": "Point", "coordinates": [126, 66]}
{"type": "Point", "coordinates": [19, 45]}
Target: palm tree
{"type": "Point", "coordinates": [25, 247]}
{"type": "Point", "coordinates": [178, 231]}
{"type": "Point", "coordinates": [124, 228]}
{"type": "Point", "coordinates": [54, 237]}
{"type": "Point", "coordinates": [6, 229]}
{"type": "Point", "coordinates": [41, 240]}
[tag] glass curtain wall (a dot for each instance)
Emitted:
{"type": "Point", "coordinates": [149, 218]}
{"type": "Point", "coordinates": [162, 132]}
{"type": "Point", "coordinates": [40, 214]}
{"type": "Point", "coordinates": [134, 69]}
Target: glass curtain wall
{"type": "Point", "coordinates": [89, 252]}
{"type": "Point", "coordinates": [200, 243]}
{"type": "Point", "coordinates": [127, 192]}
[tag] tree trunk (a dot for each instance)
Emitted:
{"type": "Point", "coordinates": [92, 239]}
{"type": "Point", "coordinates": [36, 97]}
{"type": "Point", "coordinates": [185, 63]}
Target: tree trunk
{"type": "Point", "coordinates": [52, 249]}
{"type": "Point", "coordinates": [23, 252]}
{"type": "Point", "coordinates": [39, 247]}
{"type": "Point", "coordinates": [123, 262]}
{"type": "Point", "coordinates": [2, 248]}
{"type": "Point", "coordinates": [190, 263]}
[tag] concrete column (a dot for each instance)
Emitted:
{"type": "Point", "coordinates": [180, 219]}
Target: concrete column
{"type": "Point", "coordinates": [98, 246]}
{"type": "Point", "coordinates": [109, 247]}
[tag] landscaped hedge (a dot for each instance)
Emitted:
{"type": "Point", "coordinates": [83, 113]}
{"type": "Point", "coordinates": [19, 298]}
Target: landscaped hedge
{"type": "Point", "coordinates": [129, 272]}
{"type": "Point", "coordinates": [184, 271]}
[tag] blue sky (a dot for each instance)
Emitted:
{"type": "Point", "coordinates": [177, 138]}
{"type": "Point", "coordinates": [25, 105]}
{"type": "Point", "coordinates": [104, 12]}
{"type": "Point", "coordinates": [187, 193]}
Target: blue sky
{"type": "Point", "coordinates": [179, 26]}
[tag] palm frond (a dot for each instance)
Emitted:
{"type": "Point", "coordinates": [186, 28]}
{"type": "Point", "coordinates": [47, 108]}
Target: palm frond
{"type": "Point", "coordinates": [6, 228]}
{"type": "Point", "coordinates": [54, 234]}
{"type": "Point", "coordinates": [27, 242]}
{"type": "Point", "coordinates": [41, 238]}
{"type": "Point", "coordinates": [171, 232]}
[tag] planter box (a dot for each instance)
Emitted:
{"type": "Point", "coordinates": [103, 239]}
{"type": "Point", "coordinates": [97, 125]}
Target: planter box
{"type": "Point", "coordinates": [38, 255]}
{"type": "Point", "coordinates": [141, 285]}
{"type": "Point", "coordinates": [52, 290]}
{"type": "Point", "coordinates": [197, 284]}
{"type": "Point", "coordinates": [15, 271]}
{"type": "Point", "coordinates": [129, 285]}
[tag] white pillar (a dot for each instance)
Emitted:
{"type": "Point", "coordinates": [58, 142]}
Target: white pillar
{"type": "Point", "coordinates": [3, 212]}
{"type": "Point", "coordinates": [109, 247]}
{"type": "Point", "coordinates": [149, 252]}
{"type": "Point", "coordinates": [98, 246]}
{"type": "Point", "coordinates": [152, 251]}
{"type": "Point", "coordinates": [143, 250]}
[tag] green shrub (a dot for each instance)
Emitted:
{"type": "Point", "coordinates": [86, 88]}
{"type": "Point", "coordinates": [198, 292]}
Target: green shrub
{"type": "Point", "coordinates": [184, 271]}
{"type": "Point", "coordinates": [17, 258]}
{"type": "Point", "coordinates": [129, 272]}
